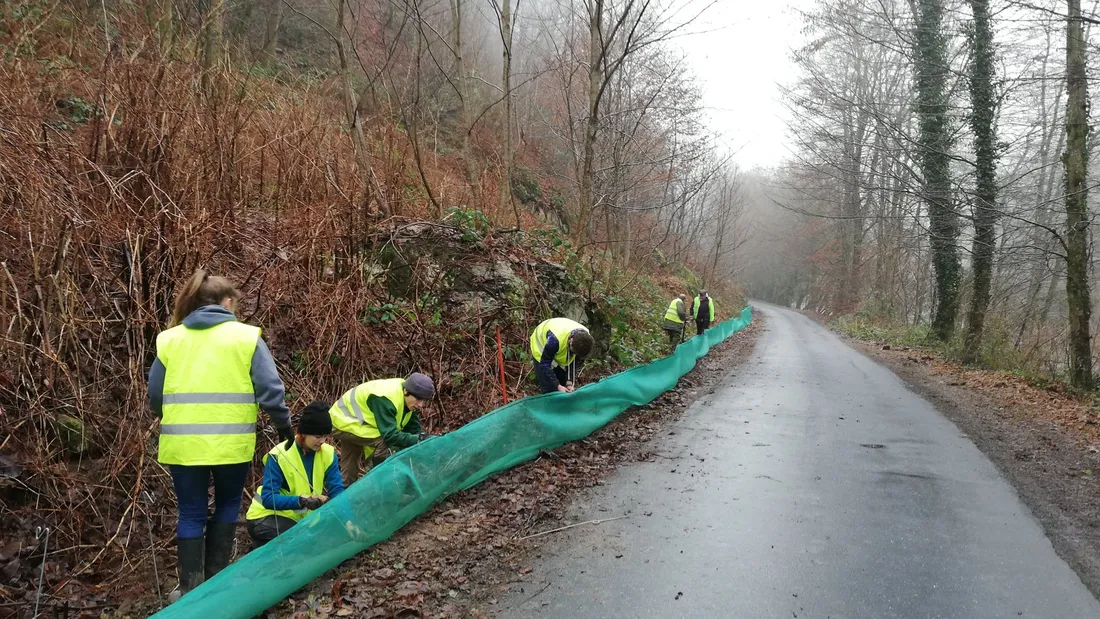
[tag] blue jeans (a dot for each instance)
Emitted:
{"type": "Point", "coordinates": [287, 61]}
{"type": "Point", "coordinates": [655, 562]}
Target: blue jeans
{"type": "Point", "coordinates": [193, 492]}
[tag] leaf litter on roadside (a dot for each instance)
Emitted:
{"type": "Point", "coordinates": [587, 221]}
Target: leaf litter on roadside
{"type": "Point", "coordinates": [453, 558]}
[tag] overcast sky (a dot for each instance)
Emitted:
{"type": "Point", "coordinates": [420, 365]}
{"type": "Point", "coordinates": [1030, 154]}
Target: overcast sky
{"type": "Point", "coordinates": [742, 54]}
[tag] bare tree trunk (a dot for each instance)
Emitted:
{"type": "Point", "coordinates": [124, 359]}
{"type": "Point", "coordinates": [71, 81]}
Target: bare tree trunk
{"type": "Point", "coordinates": [464, 107]}
{"type": "Point", "coordinates": [161, 16]}
{"type": "Point", "coordinates": [355, 122]}
{"type": "Point", "coordinates": [272, 24]}
{"type": "Point", "coordinates": [1075, 161]}
{"type": "Point", "coordinates": [982, 119]}
{"type": "Point", "coordinates": [506, 196]}
{"type": "Point", "coordinates": [212, 50]}
{"type": "Point", "coordinates": [591, 125]}
{"type": "Point", "coordinates": [1052, 138]}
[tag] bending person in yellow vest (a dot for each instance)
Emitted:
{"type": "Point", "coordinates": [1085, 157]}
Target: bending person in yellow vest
{"type": "Point", "coordinates": [211, 376]}
{"type": "Point", "coordinates": [378, 417]}
{"type": "Point", "coordinates": [300, 476]}
{"type": "Point", "coordinates": [675, 316]}
{"type": "Point", "coordinates": [559, 347]}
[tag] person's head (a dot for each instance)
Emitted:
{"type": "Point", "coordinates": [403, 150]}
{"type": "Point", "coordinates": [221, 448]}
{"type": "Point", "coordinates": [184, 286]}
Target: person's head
{"type": "Point", "coordinates": [314, 424]}
{"type": "Point", "coordinates": [202, 289]}
{"type": "Point", "coordinates": [419, 390]}
{"type": "Point", "coordinates": [580, 343]}
{"type": "Point", "coordinates": [682, 297]}
{"type": "Point", "coordinates": [702, 294]}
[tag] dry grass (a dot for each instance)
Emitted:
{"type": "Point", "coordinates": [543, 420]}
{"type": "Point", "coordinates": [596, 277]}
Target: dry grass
{"type": "Point", "coordinates": [117, 179]}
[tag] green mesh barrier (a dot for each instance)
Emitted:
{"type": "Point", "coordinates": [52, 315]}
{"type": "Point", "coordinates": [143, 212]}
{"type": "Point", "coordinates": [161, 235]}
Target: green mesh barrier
{"type": "Point", "coordinates": [406, 484]}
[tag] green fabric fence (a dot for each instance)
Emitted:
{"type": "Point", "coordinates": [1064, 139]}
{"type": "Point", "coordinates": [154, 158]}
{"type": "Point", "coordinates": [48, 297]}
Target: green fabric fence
{"type": "Point", "coordinates": [411, 481]}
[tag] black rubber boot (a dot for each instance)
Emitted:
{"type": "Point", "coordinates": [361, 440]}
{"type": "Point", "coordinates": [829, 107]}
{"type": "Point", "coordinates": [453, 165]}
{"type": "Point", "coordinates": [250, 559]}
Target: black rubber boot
{"type": "Point", "coordinates": [189, 554]}
{"type": "Point", "coordinates": [219, 546]}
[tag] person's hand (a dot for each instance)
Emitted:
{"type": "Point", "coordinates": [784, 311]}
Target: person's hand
{"type": "Point", "coordinates": [285, 434]}
{"type": "Point", "coordinates": [569, 387]}
{"type": "Point", "coordinates": [423, 436]}
{"type": "Point", "coordinates": [311, 502]}
{"type": "Point", "coordinates": [563, 389]}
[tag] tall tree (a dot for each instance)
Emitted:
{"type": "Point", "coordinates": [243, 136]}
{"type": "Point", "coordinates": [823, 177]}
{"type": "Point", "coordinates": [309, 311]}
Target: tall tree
{"type": "Point", "coordinates": [504, 21]}
{"type": "Point", "coordinates": [982, 118]}
{"type": "Point", "coordinates": [465, 110]}
{"type": "Point", "coordinates": [273, 20]}
{"type": "Point", "coordinates": [934, 144]}
{"type": "Point", "coordinates": [1075, 161]}
{"type": "Point", "coordinates": [213, 23]}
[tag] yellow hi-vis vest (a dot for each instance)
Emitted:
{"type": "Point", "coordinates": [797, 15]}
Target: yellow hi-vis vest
{"type": "Point", "coordinates": [562, 328]}
{"type": "Point", "coordinates": [209, 407]}
{"type": "Point", "coordinates": [352, 415]}
{"type": "Point", "coordinates": [695, 308]}
{"type": "Point", "coordinates": [673, 313]}
{"type": "Point", "coordinates": [290, 463]}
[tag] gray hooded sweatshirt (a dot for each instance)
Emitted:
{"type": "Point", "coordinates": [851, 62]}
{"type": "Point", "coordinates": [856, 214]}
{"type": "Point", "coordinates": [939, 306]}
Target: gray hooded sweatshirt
{"type": "Point", "coordinates": [269, 388]}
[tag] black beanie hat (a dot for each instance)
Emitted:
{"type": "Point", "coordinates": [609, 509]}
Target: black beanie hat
{"type": "Point", "coordinates": [314, 419]}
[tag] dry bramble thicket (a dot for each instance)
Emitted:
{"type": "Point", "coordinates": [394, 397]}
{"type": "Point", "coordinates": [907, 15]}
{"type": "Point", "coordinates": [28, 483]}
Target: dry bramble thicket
{"type": "Point", "coordinates": [312, 151]}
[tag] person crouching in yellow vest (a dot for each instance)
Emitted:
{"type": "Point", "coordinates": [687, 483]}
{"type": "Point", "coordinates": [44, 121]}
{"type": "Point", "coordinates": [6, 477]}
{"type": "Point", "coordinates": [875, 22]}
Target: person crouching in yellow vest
{"type": "Point", "coordinates": [378, 417]}
{"type": "Point", "coordinates": [675, 316]}
{"type": "Point", "coordinates": [210, 378]}
{"type": "Point", "coordinates": [559, 347]}
{"type": "Point", "coordinates": [300, 475]}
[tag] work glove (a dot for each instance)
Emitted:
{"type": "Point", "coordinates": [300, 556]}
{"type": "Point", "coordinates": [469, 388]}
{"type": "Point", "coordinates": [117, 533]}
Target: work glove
{"type": "Point", "coordinates": [425, 436]}
{"type": "Point", "coordinates": [285, 434]}
{"type": "Point", "coordinates": [310, 502]}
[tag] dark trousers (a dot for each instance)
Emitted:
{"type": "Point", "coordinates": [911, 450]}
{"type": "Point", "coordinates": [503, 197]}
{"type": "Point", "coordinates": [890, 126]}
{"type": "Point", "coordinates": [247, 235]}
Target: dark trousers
{"type": "Point", "coordinates": [674, 338]}
{"type": "Point", "coordinates": [545, 384]}
{"type": "Point", "coordinates": [701, 326]}
{"type": "Point", "coordinates": [263, 530]}
{"type": "Point", "coordinates": [192, 485]}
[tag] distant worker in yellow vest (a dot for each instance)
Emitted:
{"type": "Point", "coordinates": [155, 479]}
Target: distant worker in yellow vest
{"type": "Point", "coordinates": [559, 347]}
{"type": "Point", "coordinates": [378, 417]}
{"type": "Point", "coordinates": [210, 378]}
{"type": "Point", "coordinates": [300, 475]}
{"type": "Point", "coordinates": [675, 317]}
{"type": "Point", "coordinates": [703, 310]}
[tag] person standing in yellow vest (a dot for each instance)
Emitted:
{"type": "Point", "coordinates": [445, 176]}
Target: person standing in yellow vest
{"type": "Point", "coordinates": [210, 378]}
{"type": "Point", "coordinates": [378, 417]}
{"type": "Point", "coordinates": [675, 316]}
{"type": "Point", "coordinates": [300, 475]}
{"type": "Point", "coordinates": [703, 310]}
{"type": "Point", "coordinates": [559, 347]}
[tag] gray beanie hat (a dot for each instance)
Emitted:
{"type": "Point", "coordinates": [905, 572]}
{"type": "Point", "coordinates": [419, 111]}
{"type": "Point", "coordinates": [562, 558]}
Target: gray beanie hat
{"type": "Point", "coordinates": [420, 386]}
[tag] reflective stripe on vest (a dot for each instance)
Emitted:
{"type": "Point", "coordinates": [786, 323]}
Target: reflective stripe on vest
{"type": "Point", "coordinates": [695, 309]}
{"type": "Point", "coordinates": [352, 415]}
{"type": "Point", "coordinates": [673, 313]}
{"type": "Point", "coordinates": [299, 484]}
{"type": "Point", "coordinates": [562, 328]}
{"type": "Point", "coordinates": [209, 404]}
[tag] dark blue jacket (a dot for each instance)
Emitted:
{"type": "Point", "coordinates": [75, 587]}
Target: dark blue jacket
{"type": "Point", "coordinates": [544, 370]}
{"type": "Point", "coordinates": [274, 479]}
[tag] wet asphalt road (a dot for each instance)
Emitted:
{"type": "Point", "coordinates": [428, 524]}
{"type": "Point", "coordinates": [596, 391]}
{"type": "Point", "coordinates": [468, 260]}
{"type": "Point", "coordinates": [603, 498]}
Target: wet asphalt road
{"type": "Point", "coordinates": [811, 484]}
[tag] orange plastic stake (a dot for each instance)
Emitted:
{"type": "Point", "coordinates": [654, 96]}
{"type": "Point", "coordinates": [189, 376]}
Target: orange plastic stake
{"type": "Point", "coordinates": [500, 362]}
